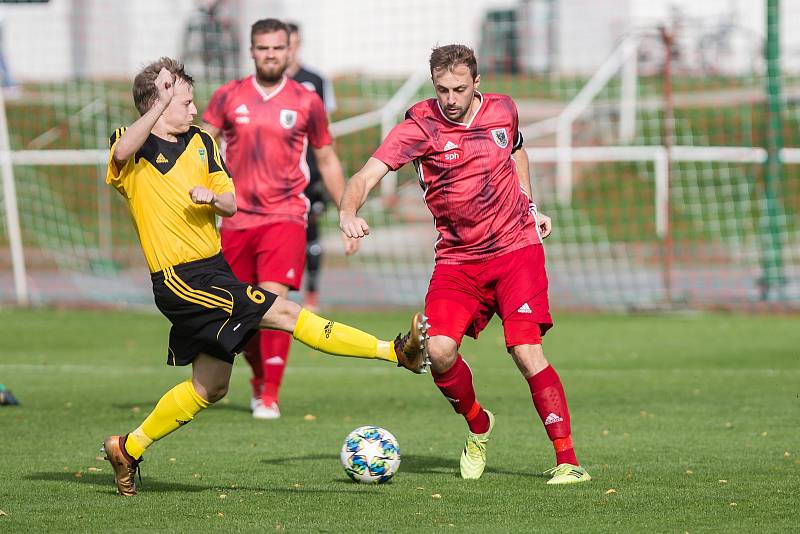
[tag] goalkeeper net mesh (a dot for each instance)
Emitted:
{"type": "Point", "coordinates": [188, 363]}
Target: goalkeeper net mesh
{"type": "Point", "coordinates": [671, 172]}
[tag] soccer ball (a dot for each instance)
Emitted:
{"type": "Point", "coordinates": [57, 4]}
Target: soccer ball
{"type": "Point", "coordinates": [370, 454]}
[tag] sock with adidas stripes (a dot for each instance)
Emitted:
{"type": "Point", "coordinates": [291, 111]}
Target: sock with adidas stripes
{"type": "Point", "coordinates": [340, 339]}
{"type": "Point", "coordinates": [551, 404]}
{"type": "Point", "coordinates": [177, 407]}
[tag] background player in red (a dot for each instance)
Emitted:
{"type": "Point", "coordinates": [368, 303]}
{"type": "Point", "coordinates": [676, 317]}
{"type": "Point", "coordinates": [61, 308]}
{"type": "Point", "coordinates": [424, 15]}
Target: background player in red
{"type": "Point", "coordinates": [489, 256]}
{"type": "Point", "coordinates": [268, 122]}
{"type": "Point", "coordinates": [315, 193]}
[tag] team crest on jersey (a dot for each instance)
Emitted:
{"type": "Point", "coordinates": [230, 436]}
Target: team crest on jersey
{"type": "Point", "coordinates": [202, 153]}
{"type": "Point", "coordinates": [500, 137]}
{"type": "Point", "coordinates": [288, 118]}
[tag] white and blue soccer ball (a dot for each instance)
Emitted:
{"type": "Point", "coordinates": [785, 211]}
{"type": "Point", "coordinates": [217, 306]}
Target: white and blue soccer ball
{"type": "Point", "coordinates": [370, 455]}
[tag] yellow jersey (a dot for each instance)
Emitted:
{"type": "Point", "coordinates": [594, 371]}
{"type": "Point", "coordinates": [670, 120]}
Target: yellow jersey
{"type": "Point", "coordinates": [156, 182]}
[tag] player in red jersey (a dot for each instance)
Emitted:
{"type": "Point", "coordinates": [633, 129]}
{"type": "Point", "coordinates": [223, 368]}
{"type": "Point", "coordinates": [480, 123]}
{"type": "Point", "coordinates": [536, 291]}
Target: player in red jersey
{"type": "Point", "coordinates": [489, 255]}
{"type": "Point", "coordinates": [268, 122]}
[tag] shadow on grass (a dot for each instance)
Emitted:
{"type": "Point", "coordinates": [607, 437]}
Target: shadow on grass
{"type": "Point", "coordinates": [106, 479]}
{"type": "Point", "coordinates": [410, 463]}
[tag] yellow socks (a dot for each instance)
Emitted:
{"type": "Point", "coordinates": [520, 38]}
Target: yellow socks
{"type": "Point", "coordinates": [339, 339]}
{"type": "Point", "coordinates": [177, 407]}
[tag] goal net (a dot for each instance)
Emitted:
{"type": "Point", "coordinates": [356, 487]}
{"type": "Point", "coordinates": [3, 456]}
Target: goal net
{"type": "Point", "coordinates": [670, 184]}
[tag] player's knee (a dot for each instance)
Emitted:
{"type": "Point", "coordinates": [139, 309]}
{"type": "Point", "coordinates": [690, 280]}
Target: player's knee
{"type": "Point", "coordinates": [443, 352]}
{"type": "Point", "coordinates": [282, 315]}
{"type": "Point", "coordinates": [212, 392]}
{"type": "Point", "coordinates": [216, 393]}
{"type": "Point", "coordinates": [529, 358]}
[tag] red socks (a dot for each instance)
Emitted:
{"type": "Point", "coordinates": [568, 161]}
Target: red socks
{"type": "Point", "coordinates": [252, 354]}
{"type": "Point", "coordinates": [274, 347]}
{"type": "Point", "coordinates": [551, 404]}
{"type": "Point", "coordinates": [456, 385]}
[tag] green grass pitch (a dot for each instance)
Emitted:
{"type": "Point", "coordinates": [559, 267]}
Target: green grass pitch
{"type": "Point", "coordinates": [688, 423]}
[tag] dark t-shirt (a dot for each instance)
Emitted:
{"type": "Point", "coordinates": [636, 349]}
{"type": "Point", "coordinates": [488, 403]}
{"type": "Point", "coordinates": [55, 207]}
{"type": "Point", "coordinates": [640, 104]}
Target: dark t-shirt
{"type": "Point", "coordinates": [313, 82]}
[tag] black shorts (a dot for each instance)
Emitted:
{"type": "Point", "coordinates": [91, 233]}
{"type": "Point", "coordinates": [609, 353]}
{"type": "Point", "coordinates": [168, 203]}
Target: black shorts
{"type": "Point", "coordinates": [211, 311]}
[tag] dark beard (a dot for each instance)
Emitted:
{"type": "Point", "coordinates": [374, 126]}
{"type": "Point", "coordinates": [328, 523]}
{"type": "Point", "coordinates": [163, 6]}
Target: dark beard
{"type": "Point", "coordinates": [271, 77]}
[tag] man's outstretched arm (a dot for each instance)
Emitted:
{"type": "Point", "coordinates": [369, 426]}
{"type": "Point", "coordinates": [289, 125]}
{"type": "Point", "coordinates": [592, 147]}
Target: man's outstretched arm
{"type": "Point", "coordinates": [355, 194]}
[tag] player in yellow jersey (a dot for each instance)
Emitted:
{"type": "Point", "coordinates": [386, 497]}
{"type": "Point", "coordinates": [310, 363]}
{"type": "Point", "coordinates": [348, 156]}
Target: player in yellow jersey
{"type": "Point", "coordinates": [175, 183]}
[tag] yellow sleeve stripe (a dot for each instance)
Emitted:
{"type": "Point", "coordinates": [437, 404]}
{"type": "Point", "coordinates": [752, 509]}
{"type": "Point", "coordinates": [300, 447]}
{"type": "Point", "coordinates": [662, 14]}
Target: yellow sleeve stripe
{"type": "Point", "coordinates": [181, 289]}
{"type": "Point", "coordinates": [217, 157]}
{"type": "Point", "coordinates": [118, 133]}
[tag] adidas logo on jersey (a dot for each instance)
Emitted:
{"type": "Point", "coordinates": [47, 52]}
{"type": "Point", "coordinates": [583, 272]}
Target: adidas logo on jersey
{"type": "Point", "coordinates": [450, 146]}
{"type": "Point", "coordinates": [551, 419]}
{"type": "Point", "coordinates": [161, 159]}
{"type": "Point", "coordinates": [525, 309]}
{"type": "Point", "coordinates": [242, 110]}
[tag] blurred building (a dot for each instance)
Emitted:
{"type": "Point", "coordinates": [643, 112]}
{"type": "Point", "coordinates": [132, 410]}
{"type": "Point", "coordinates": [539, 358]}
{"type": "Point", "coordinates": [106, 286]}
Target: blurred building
{"type": "Point", "coordinates": [62, 39]}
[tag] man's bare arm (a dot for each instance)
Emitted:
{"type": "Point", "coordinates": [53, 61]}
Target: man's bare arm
{"type": "Point", "coordinates": [135, 136]}
{"type": "Point", "coordinates": [330, 168]}
{"type": "Point", "coordinates": [355, 194]}
{"type": "Point", "coordinates": [544, 222]}
{"type": "Point", "coordinates": [523, 171]}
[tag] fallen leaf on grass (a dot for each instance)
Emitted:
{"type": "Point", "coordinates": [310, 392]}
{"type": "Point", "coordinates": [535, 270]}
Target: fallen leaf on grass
{"type": "Point", "coordinates": [723, 481]}
{"type": "Point", "coordinates": [94, 469]}
{"type": "Point", "coordinates": [733, 504]}
{"type": "Point", "coordinates": [309, 417]}
{"type": "Point", "coordinates": [689, 472]}
{"type": "Point", "coordinates": [222, 495]}
{"type": "Point", "coordinates": [787, 454]}
{"type": "Point", "coordinates": [436, 496]}
{"type": "Point", "coordinates": [2, 513]}
{"type": "Point", "coordinates": [610, 491]}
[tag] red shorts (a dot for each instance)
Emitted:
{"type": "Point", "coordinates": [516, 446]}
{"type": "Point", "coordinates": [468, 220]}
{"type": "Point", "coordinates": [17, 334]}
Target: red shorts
{"type": "Point", "coordinates": [273, 252]}
{"type": "Point", "coordinates": [463, 298]}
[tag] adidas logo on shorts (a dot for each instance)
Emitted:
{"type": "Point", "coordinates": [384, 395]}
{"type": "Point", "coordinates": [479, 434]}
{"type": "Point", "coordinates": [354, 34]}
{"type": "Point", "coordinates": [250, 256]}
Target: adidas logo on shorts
{"type": "Point", "coordinates": [525, 309]}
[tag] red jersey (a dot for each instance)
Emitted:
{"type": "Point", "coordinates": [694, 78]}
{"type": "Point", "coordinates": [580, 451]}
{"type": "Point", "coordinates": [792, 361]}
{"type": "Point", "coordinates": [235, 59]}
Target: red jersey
{"type": "Point", "coordinates": [468, 175]}
{"type": "Point", "coordinates": [266, 138]}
